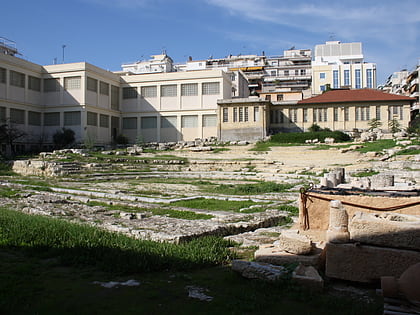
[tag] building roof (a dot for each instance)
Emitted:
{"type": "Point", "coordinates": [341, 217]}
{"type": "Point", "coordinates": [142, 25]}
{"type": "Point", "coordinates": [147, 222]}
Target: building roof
{"type": "Point", "coordinates": [360, 95]}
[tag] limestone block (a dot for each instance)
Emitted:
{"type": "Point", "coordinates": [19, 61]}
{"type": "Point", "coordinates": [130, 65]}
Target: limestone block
{"type": "Point", "coordinates": [386, 229]}
{"type": "Point", "coordinates": [365, 263]}
{"type": "Point", "coordinates": [258, 270]}
{"type": "Point", "coordinates": [308, 276]}
{"type": "Point", "coordinates": [381, 180]}
{"type": "Point", "coordinates": [293, 242]}
{"type": "Point", "coordinates": [338, 226]}
{"type": "Point", "coordinates": [276, 256]}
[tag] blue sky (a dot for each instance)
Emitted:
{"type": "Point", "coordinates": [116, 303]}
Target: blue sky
{"type": "Point", "coordinates": [107, 33]}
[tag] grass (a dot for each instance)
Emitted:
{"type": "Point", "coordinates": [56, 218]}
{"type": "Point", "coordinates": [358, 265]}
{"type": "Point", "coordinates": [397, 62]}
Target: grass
{"type": "Point", "coordinates": [6, 170]}
{"type": "Point", "coordinates": [7, 192]}
{"type": "Point", "coordinates": [291, 209]}
{"type": "Point", "coordinates": [377, 146]}
{"type": "Point", "coordinates": [177, 214]}
{"type": "Point", "coordinates": [408, 152]}
{"type": "Point", "coordinates": [215, 204]}
{"type": "Point", "coordinates": [251, 189]}
{"type": "Point", "coordinates": [218, 150]}
{"type": "Point", "coordinates": [365, 173]}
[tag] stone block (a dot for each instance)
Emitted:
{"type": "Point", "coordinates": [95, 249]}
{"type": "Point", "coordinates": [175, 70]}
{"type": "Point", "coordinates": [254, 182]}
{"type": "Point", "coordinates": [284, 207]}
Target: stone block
{"type": "Point", "coordinates": [293, 242]}
{"type": "Point", "coordinates": [275, 255]}
{"type": "Point", "coordinates": [308, 277]}
{"type": "Point", "coordinates": [386, 229]}
{"type": "Point", "coordinates": [258, 270]}
{"type": "Point", "coordinates": [363, 263]}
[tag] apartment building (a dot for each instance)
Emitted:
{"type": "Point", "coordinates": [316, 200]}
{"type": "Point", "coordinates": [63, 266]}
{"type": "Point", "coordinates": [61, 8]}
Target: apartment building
{"type": "Point", "coordinates": [341, 65]}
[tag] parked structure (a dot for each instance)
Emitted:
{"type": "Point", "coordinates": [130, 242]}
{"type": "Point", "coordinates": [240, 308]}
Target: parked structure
{"type": "Point", "coordinates": [341, 65]}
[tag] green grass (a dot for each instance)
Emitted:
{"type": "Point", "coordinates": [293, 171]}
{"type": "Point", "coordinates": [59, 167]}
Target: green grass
{"type": "Point", "coordinates": [7, 192]}
{"type": "Point", "coordinates": [408, 152]}
{"type": "Point", "coordinates": [77, 244]}
{"type": "Point", "coordinates": [377, 146]}
{"type": "Point", "coordinates": [365, 173]}
{"type": "Point", "coordinates": [214, 204]}
{"type": "Point", "coordinates": [218, 150]}
{"type": "Point", "coordinates": [291, 209]}
{"type": "Point", "coordinates": [177, 214]}
{"type": "Point", "coordinates": [6, 170]}
{"type": "Point", "coordinates": [252, 189]}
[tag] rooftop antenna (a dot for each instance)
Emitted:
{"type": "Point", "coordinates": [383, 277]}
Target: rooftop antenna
{"type": "Point", "coordinates": [332, 36]}
{"type": "Point", "coordinates": [63, 46]}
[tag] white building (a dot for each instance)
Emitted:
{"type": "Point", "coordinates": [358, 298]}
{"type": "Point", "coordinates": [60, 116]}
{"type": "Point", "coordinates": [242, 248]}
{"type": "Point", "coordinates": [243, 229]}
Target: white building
{"type": "Point", "coordinates": [341, 65]}
{"type": "Point", "coordinates": [158, 64]}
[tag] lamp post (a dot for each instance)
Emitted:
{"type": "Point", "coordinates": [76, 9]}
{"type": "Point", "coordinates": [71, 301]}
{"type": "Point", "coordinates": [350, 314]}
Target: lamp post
{"type": "Point", "coordinates": [63, 46]}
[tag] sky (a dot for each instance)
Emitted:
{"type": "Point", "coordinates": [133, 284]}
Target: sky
{"type": "Point", "coordinates": [108, 33]}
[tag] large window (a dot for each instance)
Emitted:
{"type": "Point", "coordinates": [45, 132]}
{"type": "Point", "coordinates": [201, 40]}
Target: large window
{"type": "Point", "coordinates": [92, 119]}
{"type": "Point", "coordinates": [148, 122]}
{"type": "Point", "coordinates": [34, 83]}
{"type": "Point", "coordinates": [305, 115]}
{"type": "Point", "coordinates": [357, 78]}
{"type": "Point", "coordinates": [235, 114]}
{"type": "Point", "coordinates": [2, 114]}
{"type": "Point", "coordinates": [34, 118]}
{"type": "Point", "coordinates": [209, 120]}
{"type": "Point", "coordinates": [369, 78]}
{"type": "Point", "coordinates": [335, 114]}
{"type": "Point", "coordinates": [103, 121]}
{"type": "Point", "coordinates": [51, 85]}
{"type": "Point", "coordinates": [92, 84]}
{"type": "Point", "coordinates": [322, 75]}
{"type": "Point", "coordinates": [395, 111]}
{"type": "Point", "coordinates": [190, 89]}
{"type": "Point", "coordinates": [256, 113]}
{"type": "Point", "coordinates": [17, 79]}
{"type": "Point", "coordinates": [189, 121]}
{"type": "Point", "coordinates": [241, 114]}
{"type": "Point", "coordinates": [129, 92]}
{"type": "Point", "coordinates": [17, 116]}
{"type": "Point", "coordinates": [362, 113]}
{"type": "Point", "coordinates": [246, 114]}
{"type": "Point", "coordinates": [346, 114]}
{"type": "Point", "coordinates": [72, 118]}
{"type": "Point", "coordinates": [129, 123]}
{"type": "Point", "coordinates": [52, 119]}
{"type": "Point", "coordinates": [293, 115]}
{"type": "Point", "coordinates": [3, 75]}
{"type": "Point", "coordinates": [378, 112]}
{"type": "Point", "coordinates": [225, 114]}
{"type": "Point", "coordinates": [320, 114]}
{"type": "Point", "coordinates": [115, 97]}
{"type": "Point", "coordinates": [335, 79]}
{"type": "Point", "coordinates": [72, 83]}
{"type": "Point", "coordinates": [168, 122]}
{"type": "Point", "coordinates": [347, 77]}
{"type": "Point", "coordinates": [211, 88]}
{"type": "Point", "coordinates": [104, 88]}
{"type": "Point", "coordinates": [149, 91]}
{"type": "Point", "coordinates": [168, 90]}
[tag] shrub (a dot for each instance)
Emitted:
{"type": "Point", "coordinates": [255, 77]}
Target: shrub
{"type": "Point", "coordinates": [63, 138]}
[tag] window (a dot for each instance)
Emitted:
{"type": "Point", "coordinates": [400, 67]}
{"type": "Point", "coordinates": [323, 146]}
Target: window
{"type": "Point", "coordinates": [335, 114]}
{"type": "Point", "coordinates": [225, 114]}
{"type": "Point", "coordinates": [241, 114]}
{"type": "Point", "coordinates": [168, 90]}
{"type": "Point", "coordinates": [129, 92]}
{"type": "Point", "coordinates": [323, 88]}
{"type": "Point", "coordinates": [293, 114]}
{"type": "Point", "coordinates": [2, 114]}
{"type": "Point", "coordinates": [305, 115]}
{"type": "Point", "coordinates": [2, 75]}
{"type": "Point", "coordinates": [362, 113]}
{"type": "Point", "coordinates": [322, 75]}
{"type": "Point", "coordinates": [72, 83]}
{"type": "Point", "coordinates": [357, 78]}
{"type": "Point", "coordinates": [280, 116]}
{"type": "Point", "coordinates": [115, 122]}
{"type": "Point", "coordinates": [286, 73]}
{"type": "Point", "coordinates": [346, 114]}
{"type": "Point", "coordinates": [296, 71]}
{"type": "Point", "coordinates": [148, 122]}
{"type": "Point", "coordinates": [72, 118]}
{"type": "Point", "coordinates": [129, 123]}
{"type": "Point", "coordinates": [211, 88]}
{"type": "Point", "coordinates": [34, 83]}
{"type": "Point", "coordinates": [369, 79]}
{"type": "Point", "coordinates": [189, 89]}
{"type": "Point", "coordinates": [303, 72]}
{"type": "Point", "coordinates": [104, 88]}
{"type": "Point", "coordinates": [149, 91]}
{"type": "Point", "coordinates": [17, 116]}
{"type": "Point", "coordinates": [346, 77]}
{"type": "Point", "coordinates": [273, 73]}
{"type": "Point", "coordinates": [115, 97]}
{"type": "Point", "coordinates": [246, 114]}
{"type": "Point", "coordinates": [320, 114]}
{"type": "Point", "coordinates": [189, 121]}
{"type": "Point", "coordinates": [396, 112]}
{"type": "Point", "coordinates": [103, 121]}
{"type": "Point", "coordinates": [209, 120]}
{"type": "Point", "coordinates": [92, 84]}
{"type": "Point", "coordinates": [335, 79]}
{"type": "Point", "coordinates": [256, 113]}
{"type": "Point", "coordinates": [51, 85]}
{"type": "Point", "coordinates": [279, 97]}
{"type": "Point", "coordinates": [168, 122]}
{"type": "Point", "coordinates": [52, 119]}
{"type": "Point", "coordinates": [17, 79]}
{"type": "Point", "coordinates": [268, 97]}
{"type": "Point", "coordinates": [92, 119]}
{"type": "Point", "coordinates": [34, 118]}
{"type": "Point", "coordinates": [235, 114]}
{"type": "Point", "coordinates": [378, 112]}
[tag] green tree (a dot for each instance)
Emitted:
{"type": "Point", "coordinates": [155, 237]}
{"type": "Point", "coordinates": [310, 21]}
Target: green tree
{"type": "Point", "coordinates": [314, 128]}
{"type": "Point", "coordinates": [374, 123]}
{"type": "Point", "coordinates": [394, 125]}
{"type": "Point", "coordinates": [63, 138]}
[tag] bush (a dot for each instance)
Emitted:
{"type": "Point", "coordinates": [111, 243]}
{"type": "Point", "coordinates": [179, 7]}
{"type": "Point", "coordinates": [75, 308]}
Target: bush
{"type": "Point", "coordinates": [63, 138]}
{"type": "Point", "coordinates": [121, 139]}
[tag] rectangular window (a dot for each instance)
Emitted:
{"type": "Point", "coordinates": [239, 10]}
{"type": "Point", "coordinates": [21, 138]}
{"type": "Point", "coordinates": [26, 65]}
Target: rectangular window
{"type": "Point", "coordinates": [246, 115]}
{"type": "Point", "coordinates": [369, 79]}
{"type": "Point", "coordinates": [225, 114]}
{"type": "Point", "coordinates": [296, 72]}
{"type": "Point", "coordinates": [34, 118]}
{"type": "Point", "coordinates": [103, 121]}
{"type": "Point", "coordinates": [279, 97]}
{"type": "Point", "coordinates": [347, 77]}
{"type": "Point", "coordinates": [92, 119]}
{"type": "Point", "coordinates": [346, 114]}
{"type": "Point", "coordinates": [115, 97]}
{"type": "Point", "coordinates": [256, 113]}
{"type": "Point", "coordinates": [189, 121]}
{"type": "Point", "coordinates": [303, 72]}
{"type": "Point", "coordinates": [211, 88]}
{"type": "Point", "coordinates": [104, 88]}
{"type": "Point", "coordinates": [52, 119]}
{"type": "Point", "coordinates": [280, 116]}
{"type": "Point", "coordinates": [168, 90]}
{"type": "Point", "coordinates": [168, 122]}
{"type": "Point", "coordinates": [17, 116]}
{"type": "Point", "coordinates": [293, 115]}
{"type": "Point", "coordinates": [92, 84]}
{"type": "Point", "coordinates": [235, 114]}
{"type": "Point", "coordinates": [72, 118]}
{"type": "Point", "coordinates": [320, 114]}
{"type": "Point", "coordinates": [190, 89]}
{"type": "Point", "coordinates": [209, 120]}
{"type": "Point", "coordinates": [357, 78]}
{"type": "Point", "coordinates": [273, 73]}
{"type": "Point", "coordinates": [72, 83]}
{"type": "Point", "coordinates": [115, 122]}
{"type": "Point", "coordinates": [17, 79]}
{"type": "Point", "coordinates": [378, 112]}
{"type": "Point", "coordinates": [2, 114]}
{"type": "Point", "coordinates": [335, 79]}
{"type": "Point", "coordinates": [362, 113]}
{"type": "Point", "coordinates": [286, 73]}
{"type": "Point", "coordinates": [335, 114]}
{"type": "Point", "coordinates": [149, 91]}
{"type": "Point", "coordinates": [305, 115]}
{"type": "Point", "coordinates": [322, 75]}
{"type": "Point", "coordinates": [272, 116]}
{"type": "Point", "coordinates": [395, 112]}
{"type": "Point", "coordinates": [34, 83]}
{"type": "Point", "coordinates": [148, 122]}
{"type": "Point", "coordinates": [241, 114]}
{"type": "Point", "coordinates": [129, 123]}
{"type": "Point", "coordinates": [129, 92]}
{"type": "Point", "coordinates": [325, 114]}
{"type": "Point", "coordinates": [51, 85]}
{"type": "Point", "coordinates": [323, 88]}
{"type": "Point", "coordinates": [268, 97]}
{"type": "Point", "coordinates": [3, 75]}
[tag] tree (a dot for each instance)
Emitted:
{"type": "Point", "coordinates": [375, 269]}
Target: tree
{"type": "Point", "coordinates": [314, 128]}
{"type": "Point", "coordinates": [63, 138]}
{"type": "Point", "coordinates": [9, 133]}
{"type": "Point", "coordinates": [374, 123]}
{"type": "Point", "coordinates": [394, 125]}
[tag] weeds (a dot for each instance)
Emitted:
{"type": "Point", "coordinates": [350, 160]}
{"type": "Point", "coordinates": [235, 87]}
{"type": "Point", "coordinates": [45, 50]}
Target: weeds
{"type": "Point", "coordinates": [250, 189]}
{"type": "Point", "coordinates": [214, 204]}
